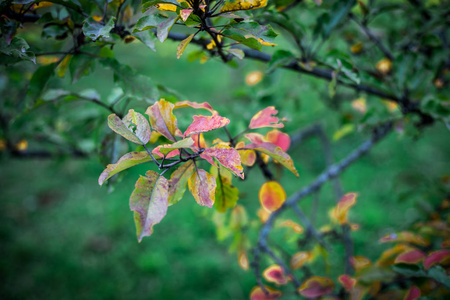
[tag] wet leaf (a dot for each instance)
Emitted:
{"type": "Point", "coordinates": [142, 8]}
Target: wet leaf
{"type": "Point", "coordinates": [127, 161]}
{"type": "Point", "coordinates": [271, 196]}
{"type": "Point", "coordinates": [134, 127]}
{"type": "Point", "coordinates": [265, 118]}
{"type": "Point", "coordinates": [202, 185]}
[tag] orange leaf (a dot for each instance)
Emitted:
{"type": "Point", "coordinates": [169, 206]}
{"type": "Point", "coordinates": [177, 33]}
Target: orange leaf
{"type": "Point", "coordinates": [347, 282]}
{"type": "Point", "coordinates": [202, 185]}
{"type": "Point", "coordinates": [299, 259]}
{"type": "Point", "coordinates": [291, 224]}
{"type": "Point", "coordinates": [411, 257]}
{"type": "Point", "coordinates": [279, 138]}
{"type": "Point", "coordinates": [162, 119]}
{"type": "Point", "coordinates": [412, 294]}
{"type": "Point", "coordinates": [258, 294]}
{"type": "Point", "coordinates": [227, 157]}
{"type": "Point", "coordinates": [316, 287]}
{"type": "Point", "coordinates": [436, 257]}
{"type": "Point", "coordinates": [263, 215]}
{"type": "Point", "coordinates": [248, 157]}
{"type": "Point", "coordinates": [204, 124]}
{"type": "Point", "coordinates": [271, 196]}
{"type": "Point", "coordinates": [264, 118]}
{"type": "Point", "coordinates": [360, 262]}
{"type": "Point", "coordinates": [344, 204]}
{"type": "Point", "coordinates": [197, 143]}
{"type": "Point", "coordinates": [275, 274]}
{"type": "Point", "coordinates": [405, 236]}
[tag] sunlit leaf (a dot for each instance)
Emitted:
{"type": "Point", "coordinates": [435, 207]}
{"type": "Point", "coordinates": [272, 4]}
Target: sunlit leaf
{"type": "Point", "coordinates": [162, 119]}
{"type": "Point", "coordinates": [166, 7]}
{"type": "Point", "coordinates": [183, 44]}
{"type": "Point", "coordinates": [316, 286]}
{"type": "Point", "coordinates": [412, 293]}
{"type": "Point", "coordinates": [347, 282]}
{"type": "Point", "coordinates": [248, 157]}
{"type": "Point", "coordinates": [412, 257]}
{"type": "Point", "coordinates": [271, 196]}
{"type": "Point", "coordinates": [149, 202]}
{"type": "Point", "coordinates": [202, 185]}
{"type": "Point", "coordinates": [243, 5]}
{"type": "Point", "coordinates": [258, 294]}
{"type": "Point", "coordinates": [278, 138]}
{"type": "Point", "coordinates": [205, 124]}
{"type": "Point", "coordinates": [275, 274]}
{"type": "Point", "coordinates": [265, 118]}
{"type": "Point", "coordinates": [128, 160]}
{"type": "Point", "coordinates": [299, 259]}
{"type": "Point", "coordinates": [227, 157]}
{"type": "Point", "coordinates": [436, 257]}
{"type": "Point", "coordinates": [134, 127]}
{"type": "Point", "coordinates": [178, 181]}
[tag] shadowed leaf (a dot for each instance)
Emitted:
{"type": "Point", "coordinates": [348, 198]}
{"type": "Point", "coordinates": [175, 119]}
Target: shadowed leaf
{"type": "Point", "coordinates": [258, 294]}
{"type": "Point", "coordinates": [405, 236]}
{"type": "Point", "coordinates": [412, 294]}
{"type": "Point", "coordinates": [412, 257]}
{"type": "Point", "coordinates": [164, 27]}
{"type": "Point", "coordinates": [347, 282]}
{"type": "Point", "coordinates": [183, 44]}
{"type": "Point", "coordinates": [95, 30]}
{"type": "Point", "coordinates": [299, 259]}
{"type": "Point", "coordinates": [226, 194]}
{"type": "Point", "coordinates": [178, 182]}
{"type": "Point", "coordinates": [436, 257]}
{"type": "Point", "coordinates": [134, 127]}
{"type": "Point", "coordinates": [243, 5]}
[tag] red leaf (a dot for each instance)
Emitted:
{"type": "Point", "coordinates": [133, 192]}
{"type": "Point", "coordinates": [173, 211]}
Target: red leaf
{"type": "Point", "coordinates": [412, 294]}
{"type": "Point", "coordinates": [347, 282]}
{"type": "Point", "coordinates": [436, 257]}
{"type": "Point", "coordinates": [264, 118]}
{"type": "Point", "coordinates": [411, 257]}
{"type": "Point", "coordinates": [278, 138]}
{"type": "Point", "coordinates": [227, 157]}
{"type": "Point", "coordinates": [204, 124]}
{"type": "Point", "coordinates": [275, 274]}
{"type": "Point", "coordinates": [316, 287]}
{"type": "Point", "coordinates": [258, 294]}
{"type": "Point", "coordinates": [255, 138]}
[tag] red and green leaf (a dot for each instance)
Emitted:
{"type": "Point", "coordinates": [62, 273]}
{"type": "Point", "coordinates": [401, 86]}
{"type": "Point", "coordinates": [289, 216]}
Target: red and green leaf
{"type": "Point", "coordinates": [202, 185]}
{"type": "Point", "coordinates": [172, 150]}
{"type": "Point", "coordinates": [163, 120]}
{"type": "Point", "coordinates": [411, 257]}
{"type": "Point", "coordinates": [316, 286]}
{"type": "Point", "coordinates": [275, 274]}
{"type": "Point", "coordinates": [127, 161]}
{"type": "Point", "coordinates": [134, 127]}
{"type": "Point", "coordinates": [226, 156]}
{"type": "Point", "coordinates": [186, 103]}
{"type": "Point", "coordinates": [149, 202]}
{"type": "Point", "coordinates": [347, 282]}
{"type": "Point", "coordinates": [265, 118]}
{"type": "Point", "coordinates": [436, 257]}
{"type": "Point", "coordinates": [412, 294]}
{"type": "Point", "coordinates": [178, 181]}
{"type": "Point", "coordinates": [257, 293]}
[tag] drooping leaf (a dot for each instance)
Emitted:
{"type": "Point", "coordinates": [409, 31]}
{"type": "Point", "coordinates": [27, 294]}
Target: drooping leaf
{"type": "Point", "coordinates": [436, 257]}
{"type": "Point", "coordinates": [248, 157]}
{"type": "Point", "coordinates": [205, 124]}
{"type": "Point", "coordinates": [164, 27]}
{"type": "Point", "coordinates": [127, 161]}
{"type": "Point", "coordinates": [149, 202]}
{"type": "Point", "coordinates": [411, 256]}
{"type": "Point", "coordinates": [276, 153]}
{"type": "Point", "coordinates": [278, 138]}
{"type": "Point", "coordinates": [347, 282]}
{"type": "Point", "coordinates": [243, 5]}
{"type": "Point", "coordinates": [162, 119]}
{"type": "Point", "coordinates": [178, 181]}
{"type": "Point", "coordinates": [183, 44]}
{"type": "Point", "coordinates": [316, 286]}
{"type": "Point", "coordinates": [257, 293]}
{"type": "Point", "coordinates": [202, 185]}
{"type": "Point", "coordinates": [95, 30]}
{"type": "Point", "coordinates": [15, 51]}
{"type": "Point", "coordinates": [226, 194]}
{"type": "Point", "coordinates": [264, 118]}
{"type": "Point", "coordinates": [271, 196]}
{"type": "Point", "coordinates": [440, 275]}
{"type": "Point", "coordinates": [227, 157]}
{"type": "Point", "coordinates": [134, 127]}
{"type": "Point", "coordinates": [299, 259]}
{"type": "Point", "coordinates": [275, 274]}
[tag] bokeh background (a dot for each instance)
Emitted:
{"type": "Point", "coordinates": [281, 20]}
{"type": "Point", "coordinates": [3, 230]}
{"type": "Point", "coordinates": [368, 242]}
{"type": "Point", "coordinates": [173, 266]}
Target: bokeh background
{"type": "Point", "coordinates": [62, 236]}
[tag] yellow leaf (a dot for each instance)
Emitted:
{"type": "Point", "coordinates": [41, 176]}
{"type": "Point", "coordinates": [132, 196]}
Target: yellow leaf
{"type": "Point", "coordinates": [271, 196]}
{"type": "Point", "coordinates": [384, 66]}
{"type": "Point", "coordinates": [166, 7]}
{"type": "Point", "coordinates": [62, 67]}
{"type": "Point", "coordinates": [22, 145]}
{"type": "Point", "coordinates": [253, 78]}
{"type": "Point", "coordinates": [182, 46]}
{"type": "Point", "coordinates": [243, 5]}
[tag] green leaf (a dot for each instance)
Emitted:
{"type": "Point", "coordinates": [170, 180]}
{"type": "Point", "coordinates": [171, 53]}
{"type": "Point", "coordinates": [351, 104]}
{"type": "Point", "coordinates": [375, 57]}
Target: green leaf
{"type": "Point", "coordinates": [250, 42]}
{"type": "Point", "coordinates": [439, 274]}
{"type": "Point", "coordinates": [147, 37]}
{"type": "Point", "coordinates": [16, 51]}
{"type": "Point", "coordinates": [148, 22]}
{"type": "Point", "coordinates": [226, 194]}
{"type": "Point", "coordinates": [184, 143]}
{"type": "Point", "coordinates": [149, 202]}
{"type": "Point", "coordinates": [134, 127]}
{"type": "Point", "coordinates": [39, 80]}
{"type": "Point", "coordinates": [178, 182]}
{"type": "Point", "coordinates": [81, 65]}
{"type": "Point", "coordinates": [127, 161]}
{"type": "Point", "coordinates": [163, 29]}
{"type": "Point", "coordinates": [264, 32]}
{"type": "Point", "coordinates": [95, 30]}
{"type": "Point", "coordinates": [182, 46]}
{"type": "Point", "coordinates": [279, 59]}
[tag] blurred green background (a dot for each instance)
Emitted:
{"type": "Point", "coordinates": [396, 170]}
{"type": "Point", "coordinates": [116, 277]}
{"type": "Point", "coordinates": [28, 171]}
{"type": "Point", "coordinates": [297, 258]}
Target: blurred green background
{"type": "Point", "coordinates": [64, 237]}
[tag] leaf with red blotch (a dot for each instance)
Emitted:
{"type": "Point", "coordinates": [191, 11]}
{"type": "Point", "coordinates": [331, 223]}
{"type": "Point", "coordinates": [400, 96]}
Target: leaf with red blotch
{"type": "Point", "coordinates": [271, 196]}
{"type": "Point", "coordinates": [412, 294]}
{"type": "Point", "coordinates": [204, 124]}
{"type": "Point", "coordinates": [360, 262]}
{"type": "Point", "coordinates": [297, 228]}
{"type": "Point", "coordinates": [345, 203]}
{"type": "Point", "coordinates": [276, 153]}
{"type": "Point", "coordinates": [275, 274]}
{"type": "Point", "coordinates": [436, 257]}
{"type": "Point", "coordinates": [178, 181]}
{"type": "Point", "coordinates": [134, 127]}
{"type": "Point", "coordinates": [226, 156]}
{"type": "Point", "coordinates": [347, 282]}
{"type": "Point", "coordinates": [264, 118]}
{"type": "Point", "coordinates": [299, 259]}
{"type": "Point", "coordinates": [202, 185]}
{"type": "Point", "coordinates": [257, 293]}
{"type": "Point", "coordinates": [186, 103]}
{"type": "Point", "coordinates": [243, 260]}
{"type": "Point", "coordinates": [185, 13]}
{"type": "Point", "coordinates": [172, 150]}
{"type": "Point", "coordinates": [278, 138]}
{"type": "Point", "coordinates": [255, 138]}
{"type": "Point", "coordinates": [248, 157]}
{"type": "Point", "coordinates": [316, 286]}
{"type": "Point", "coordinates": [127, 161]}
{"type": "Point", "coordinates": [149, 202]}
{"type": "Point", "coordinates": [405, 236]}
{"type": "Point", "coordinates": [162, 119]}
{"type": "Point", "coordinates": [411, 257]}
{"type": "Point", "coordinates": [387, 257]}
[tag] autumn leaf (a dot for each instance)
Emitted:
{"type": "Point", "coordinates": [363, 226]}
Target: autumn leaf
{"type": "Point", "coordinates": [255, 138]}
{"type": "Point", "coordinates": [149, 202]}
{"type": "Point", "coordinates": [134, 127]}
{"type": "Point", "coordinates": [297, 228]}
{"type": "Point", "coordinates": [202, 185]}
{"type": "Point", "coordinates": [316, 286]}
{"type": "Point", "coordinates": [276, 153]}
{"type": "Point", "coordinates": [412, 293]}
{"type": "Point", "coordinates": [183, 44]}
{"type": "Point", "coordinates": [347, 282]}
{"type": "Point", "coordinates": [436, 257]}
{"type": "Point", "coordinates": [339, 214]}
{"type": "Point", "coordinates": [248, 157]}
{"type": "Point", "coordinates": [186, 103]}
{"type": "Point", "coordinates": [178, 181]}
{"type": "Point", "coordinates": [359, 262]}
{"type": "Point", "coordinates": [185, 13]}
{"type": "Point", "coordinates": [172, 150]}
{"type": "Point", "coordinates": [405, 236]}
{"type": "Point", "coordinates": [205, 124]}
{"type": "Point", "coordinates": [278, 138]}
{"type": "Point", "coordinates": [127, 161]}
{"type": "Point", "coordinates": [226, 194]}
{"type": "Point", "coordinates": [271, 196]}
{"type": "Point", "coordinates": [226, 156]}
{"type": "Point", "coordinates": [411, 257]}
{"type": "Point", "coordinates": [275, 274]}
{"type": "Point", "coordinates": [299, 259]}
{"type": "Point", "coordinates": [243, 5]}
{"type": "Point", "coordinates": [257, 293]}
{"type": "Point", "coordinates": [164, 27]}
{"type": "Point", "coordinates": [162, 119]}
{"type": "Point", "coordinates": [243, 260]}
{"type": "Point", "coordinates": [265, 118]}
